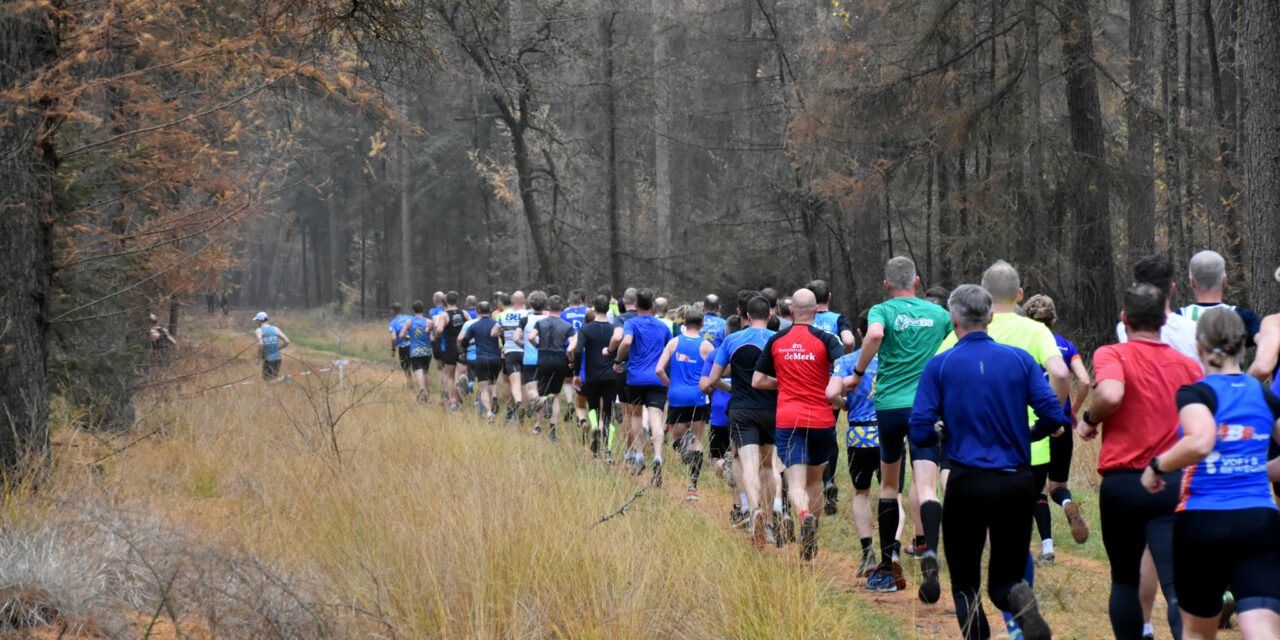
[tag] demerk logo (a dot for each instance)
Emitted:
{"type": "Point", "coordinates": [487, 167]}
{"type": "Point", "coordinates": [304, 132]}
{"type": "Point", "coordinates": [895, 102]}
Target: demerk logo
{"type": "Point", "coordinates": [796, 352]}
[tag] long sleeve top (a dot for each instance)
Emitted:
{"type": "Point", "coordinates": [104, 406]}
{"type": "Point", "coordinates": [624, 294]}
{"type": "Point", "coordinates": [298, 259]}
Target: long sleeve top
{"type": "Point", "coordinates": [980, 390]}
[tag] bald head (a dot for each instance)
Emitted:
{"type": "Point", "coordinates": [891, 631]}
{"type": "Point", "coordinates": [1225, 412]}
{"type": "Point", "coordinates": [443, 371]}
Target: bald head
{"type": "Point", "coordinates": [1001, 281]}
{"type": "Point", "coordinates": [803, 306]}
{"type": "Point", "coordinates": [438, 298]}
{"type": "Point", "coordinates": [711, 303]}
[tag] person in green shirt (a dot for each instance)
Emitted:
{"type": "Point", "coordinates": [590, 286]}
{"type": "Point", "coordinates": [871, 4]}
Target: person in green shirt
{"type": "Point", "coordinates": [904, 331]}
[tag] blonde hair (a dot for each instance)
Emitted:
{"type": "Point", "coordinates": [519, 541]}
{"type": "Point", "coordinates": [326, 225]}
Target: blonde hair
{"type": "Point", "coordinates": [1221, 334]}
{"type": "Point", "coordinates": [1041, 309]}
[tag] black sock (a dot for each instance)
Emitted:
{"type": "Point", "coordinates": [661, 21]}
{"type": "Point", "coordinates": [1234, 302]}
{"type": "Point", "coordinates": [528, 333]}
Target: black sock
{"type": "Point", "coordinates": [888, 518]}
{"type": "Point", "coordinates": [695, 469]}
{"type": "Point", "coordinates": [866, 545]}
{"type": "Point", "coordinates": [919, 541]}
{"type": "Point", "coordinates": [1061, 494]}
{"type": "Point", "coordinates": [931, 520]}
{"type": "Point", "coordinates": [1041, 515]}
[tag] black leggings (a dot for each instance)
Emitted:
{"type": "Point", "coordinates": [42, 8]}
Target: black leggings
{"type": "Point", "coordinates": [600, 395]}
{"type": "Point", "coordinates": [1132, 520]}
{"type": "Point", "coordinates": [982, 502]}
{"type": "Point", "coordinates": [1214, 549]}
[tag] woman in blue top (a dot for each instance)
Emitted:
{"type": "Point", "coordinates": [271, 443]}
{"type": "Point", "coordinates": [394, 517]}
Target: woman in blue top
{"type": "Point", "coordinates": [270, 341]}
{"type": "Point", "coordinates": [688, 409]}
{"type": "Point", "coordinates": [1224, 532]}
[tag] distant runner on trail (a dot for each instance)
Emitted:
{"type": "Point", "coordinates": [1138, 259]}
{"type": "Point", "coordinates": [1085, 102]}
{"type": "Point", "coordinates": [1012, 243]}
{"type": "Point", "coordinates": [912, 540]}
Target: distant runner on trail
{"type": "Point", "coordinates": [417, 332]}
{"type": "Point", "coordinates": [448, 324]}
{"type": "Point", "coordinates": [488, 360]}
{"type": "Point", "coordinates": [680, 368]}
{"type": "Point", "coordinates": [509, 321]}
{"type": "Point", "coordinates": [904, 332]}
{"type": "Point", "coordinates": [837, 325]}
{"type": "Point", "coordinates": [979, 390]}
{"type": "Point", "coordinates": [270, 341]}
{"type": "Point", "coordinates": [797, 362]}
{"type": "Point", "coordinates": [643, 339]}
{"type": "Point", "coordinates": [437, 344]}
{"type": "Point", "coordinates": [551, 334]}
{"type": "Point", "coordinates": [594, 374]}
{"type": "Point", "coordinates": [400, 345]}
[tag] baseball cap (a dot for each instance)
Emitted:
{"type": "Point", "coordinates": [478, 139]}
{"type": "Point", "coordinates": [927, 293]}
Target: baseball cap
{"type": "Point", "coordinates": [262, 315]}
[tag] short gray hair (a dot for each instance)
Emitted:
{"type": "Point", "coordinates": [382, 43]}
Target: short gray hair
{"type": "Point", "coordinates": [900, 273]}
{"type": "Point", "coordinates": [1001, 281]}
{"type": "Point", "coordinates": [629, 296]}
{"type": "Point", "coordinates": [971, 306]}
{"type": "Point", "coordinates": [1207, 270]}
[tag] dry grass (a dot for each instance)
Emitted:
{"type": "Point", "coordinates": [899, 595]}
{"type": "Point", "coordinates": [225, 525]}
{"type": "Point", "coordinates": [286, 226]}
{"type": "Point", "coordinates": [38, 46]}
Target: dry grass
{"type": "Point", "coordinates": [424, 525]}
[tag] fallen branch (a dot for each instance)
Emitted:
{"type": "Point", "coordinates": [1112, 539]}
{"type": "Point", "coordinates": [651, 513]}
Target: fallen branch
{"type": "Point", "coordinates": [621, 510]}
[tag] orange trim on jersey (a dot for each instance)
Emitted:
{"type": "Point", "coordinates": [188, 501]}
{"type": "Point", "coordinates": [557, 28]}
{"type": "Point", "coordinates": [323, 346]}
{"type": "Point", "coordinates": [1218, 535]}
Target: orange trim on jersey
{"type": "Point", "coordinates": [1185, 492]}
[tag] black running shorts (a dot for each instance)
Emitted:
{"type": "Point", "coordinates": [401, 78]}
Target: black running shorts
{"type": "Point", "coordinates": [718, 443]}
{"type": "Point", "coordinates": [895, 428]}
{"type": "Point", "coordinates": [513, 363]}
{"type": "Point", "coordinates": [450, 357]}
{"type": "Point", "coordinates": [687, 415]}
{"type": "Point", "coordinates": [752, 426]}
{"type": "Point", "coordinates": [864, 463]}
{"type": "Point", "coordinates": [1217, 550]}
{"type": "Point", "coordinates": [402, 353]}
{"type": "Point", "coordinates": [420, 363]}
{"type": "Point", "coordinates": [529, 371]}
{"type": "Point", "coordinates": [1060, 451]}
{"type": "Point", "coordinates": [648, 395]}
{"type": "Point", "coordinates": [270, 369]}
{"type": "Point", "coordinates": [487, 370]}
{"type": "Point", "coordinates": [550, 378]}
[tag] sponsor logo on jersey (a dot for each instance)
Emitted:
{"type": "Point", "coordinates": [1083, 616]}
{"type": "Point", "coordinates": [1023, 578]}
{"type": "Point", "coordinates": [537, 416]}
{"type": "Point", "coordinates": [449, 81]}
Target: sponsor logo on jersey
{"type": "Point", "coordinates": [904, 322]}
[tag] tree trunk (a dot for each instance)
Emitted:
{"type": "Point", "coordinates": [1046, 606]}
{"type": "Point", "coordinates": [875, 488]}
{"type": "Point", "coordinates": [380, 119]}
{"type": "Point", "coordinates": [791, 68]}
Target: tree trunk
{"type": "Point", "coordinates": [1141, 213]}
{"type": "Point", "coordinates": [1175, 197]}
{"type": "Point", "coordinates": [1095, 277]}
{"type": "Point", "coordinates": [1262, 133]}
{"type": "Point", "coordinates": [518, 125]}
{"type": "Point", "coordinates": [662, 186]}
{"type": "Point", "coordinates": [1221, 26]}
{"type": "Point", "coordinates": [405, 291]}
{"type": "Point", "coordinates": [611, 147]}
{"type": "Point", "coordinates": [1035, 215]}
{"type": "Point", "coordinates": [28, 166]}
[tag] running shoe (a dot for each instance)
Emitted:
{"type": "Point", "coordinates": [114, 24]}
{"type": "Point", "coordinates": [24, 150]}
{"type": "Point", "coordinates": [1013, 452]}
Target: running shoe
{"type": "Point", "coordinates": [1045, 559]}
{"type": "Point", "coordinates": [422, 395]}
{"type": "Point", "coordinates": [881, 580]}
{"type": "Point", "coordinates": [552, 433]}
{"type": "Point", "coordinates": [737, 516]}
{"type": "Point", "coordinates": [914, 552]}
{"type": "Point", "coordinates": [595, 443]}
{"type": "Point", "coordinates": [1079, 530]}
{"type": "Point", "coordinates": [608, 457]}
{"type": "Point", "coordinates": [1022, 604]}
{"type": "Point", "coordinates": [1148, 636]}
{"type": "Point", "coordinates": [930, 589]}
{"type": "Point", "coordinates": [868, 565]}
{"type": "Point", "coordinates": [521, 412]}
{"type": "Point", "coordinates": [831, 499]}
{"type": "Point", "coordinates": [899, 578]}
{"type": "Point", "coordinates": [511, 415]}
{"type": "Point", "coordinates": [547, 408]}
{"type": "Point", "coordinates": [639, 465]}
{"type": "Point", "coordinates": [809, 537]}
{"type": "Point", "coordinates": [758, 533]}
{"type": "Point", "coordinates": [788, 527]}
{"type": "Point", "coordinates": [775, 524]}
{"type": "Point", "coordinates": [463, 387]}
{"type": "Point", "coordinates": [692, 494]}
{"type": "Point", "coordinates": [656, 479]}
{"type": "Point", "coordinates": [537, 430]}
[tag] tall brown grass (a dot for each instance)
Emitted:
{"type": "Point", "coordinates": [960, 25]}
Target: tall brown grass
{"type": "Point", "coordinates": [430, 524]}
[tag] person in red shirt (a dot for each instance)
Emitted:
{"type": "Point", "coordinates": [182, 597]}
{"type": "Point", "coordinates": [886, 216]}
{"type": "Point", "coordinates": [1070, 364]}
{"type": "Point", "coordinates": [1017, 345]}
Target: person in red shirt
{"type": "Point", "coordinates": [797, 361]}
{"type": "Point", "coordinates": [1135, 408]}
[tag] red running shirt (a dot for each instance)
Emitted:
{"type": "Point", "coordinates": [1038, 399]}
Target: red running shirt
{"type": "Point", "coordinates": [802, 358]}
{"type": "Point", "coordinates": [1146, 424]}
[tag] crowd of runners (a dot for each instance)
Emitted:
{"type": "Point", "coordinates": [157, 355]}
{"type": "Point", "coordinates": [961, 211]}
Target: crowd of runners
{"type": "Point", "coordinates": [972, 387]}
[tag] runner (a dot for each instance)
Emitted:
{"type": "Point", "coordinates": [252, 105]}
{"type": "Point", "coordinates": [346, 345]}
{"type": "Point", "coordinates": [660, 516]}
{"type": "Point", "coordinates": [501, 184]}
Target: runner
{"type": "Point", "coordinates": [399, 345]}
{"type": "Point", "coordinates": [751, 411]}
{"type": "Point", "coordinates": [713, 326]}
{"type": "Point", "coordinates": [937, 295]}
{"type": "Point", "coordinates": [596, 378]}
{"type": "Point", "coordinates": [481, 336]}
{"type": "Point", "coordinates": [723, 454]}
{"type": "Point", "coordinates": [448, 325]}
{"type": "Point", "coordinates": [904, 332]}
{"type": "Point", "coordinates": [270, 341]}
{"type": "Point", "coordinates": [1224, 528]}
{"type": "Point", "coordinates": [837, 325]}
{"type": "Point", "coordinates": [980, 389]}
{"type": "Point", "coordinates": [467, 378]}
{"type": "Point", "coordinates": [1058, 470]}
{"type": "Point", "coordinates": [797, 362]}
{"type": "Point", "coordinates": [627, 414]}
{"type": "Point", "coordinates": [689, 409]}
{"type": "Point", "coordinates": [1178, 331]}
{"type": "Point", "coordinates": [437, 346]}
{"type": "Point", "coordinates": [1133, 401]}
{"type": "Point", "coordinates": [1208, 274]}
{"type": "Point", "coordinates": [661, 308]}
{"type": "Point", "coordinates": [1001, 281]}
{"type": "Point", "coordinates": [784, 313]}
{"type": "Point", "coordinates": [862, 442]}
{"type": "Point", "coordinates": [529, 364]}
{"type": "Point", "coordinates": [417, 332]}
{"type": "Point", "coordinates": [643, 339]}
{"type": "Point", "coordinates": [470, 307]}
{"type": "Point", "coordinates": [575, 314]}
{"type": "Point", "coordinates": [550, 334]}
{"type": "Point", "coordinates": [509, 323]}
